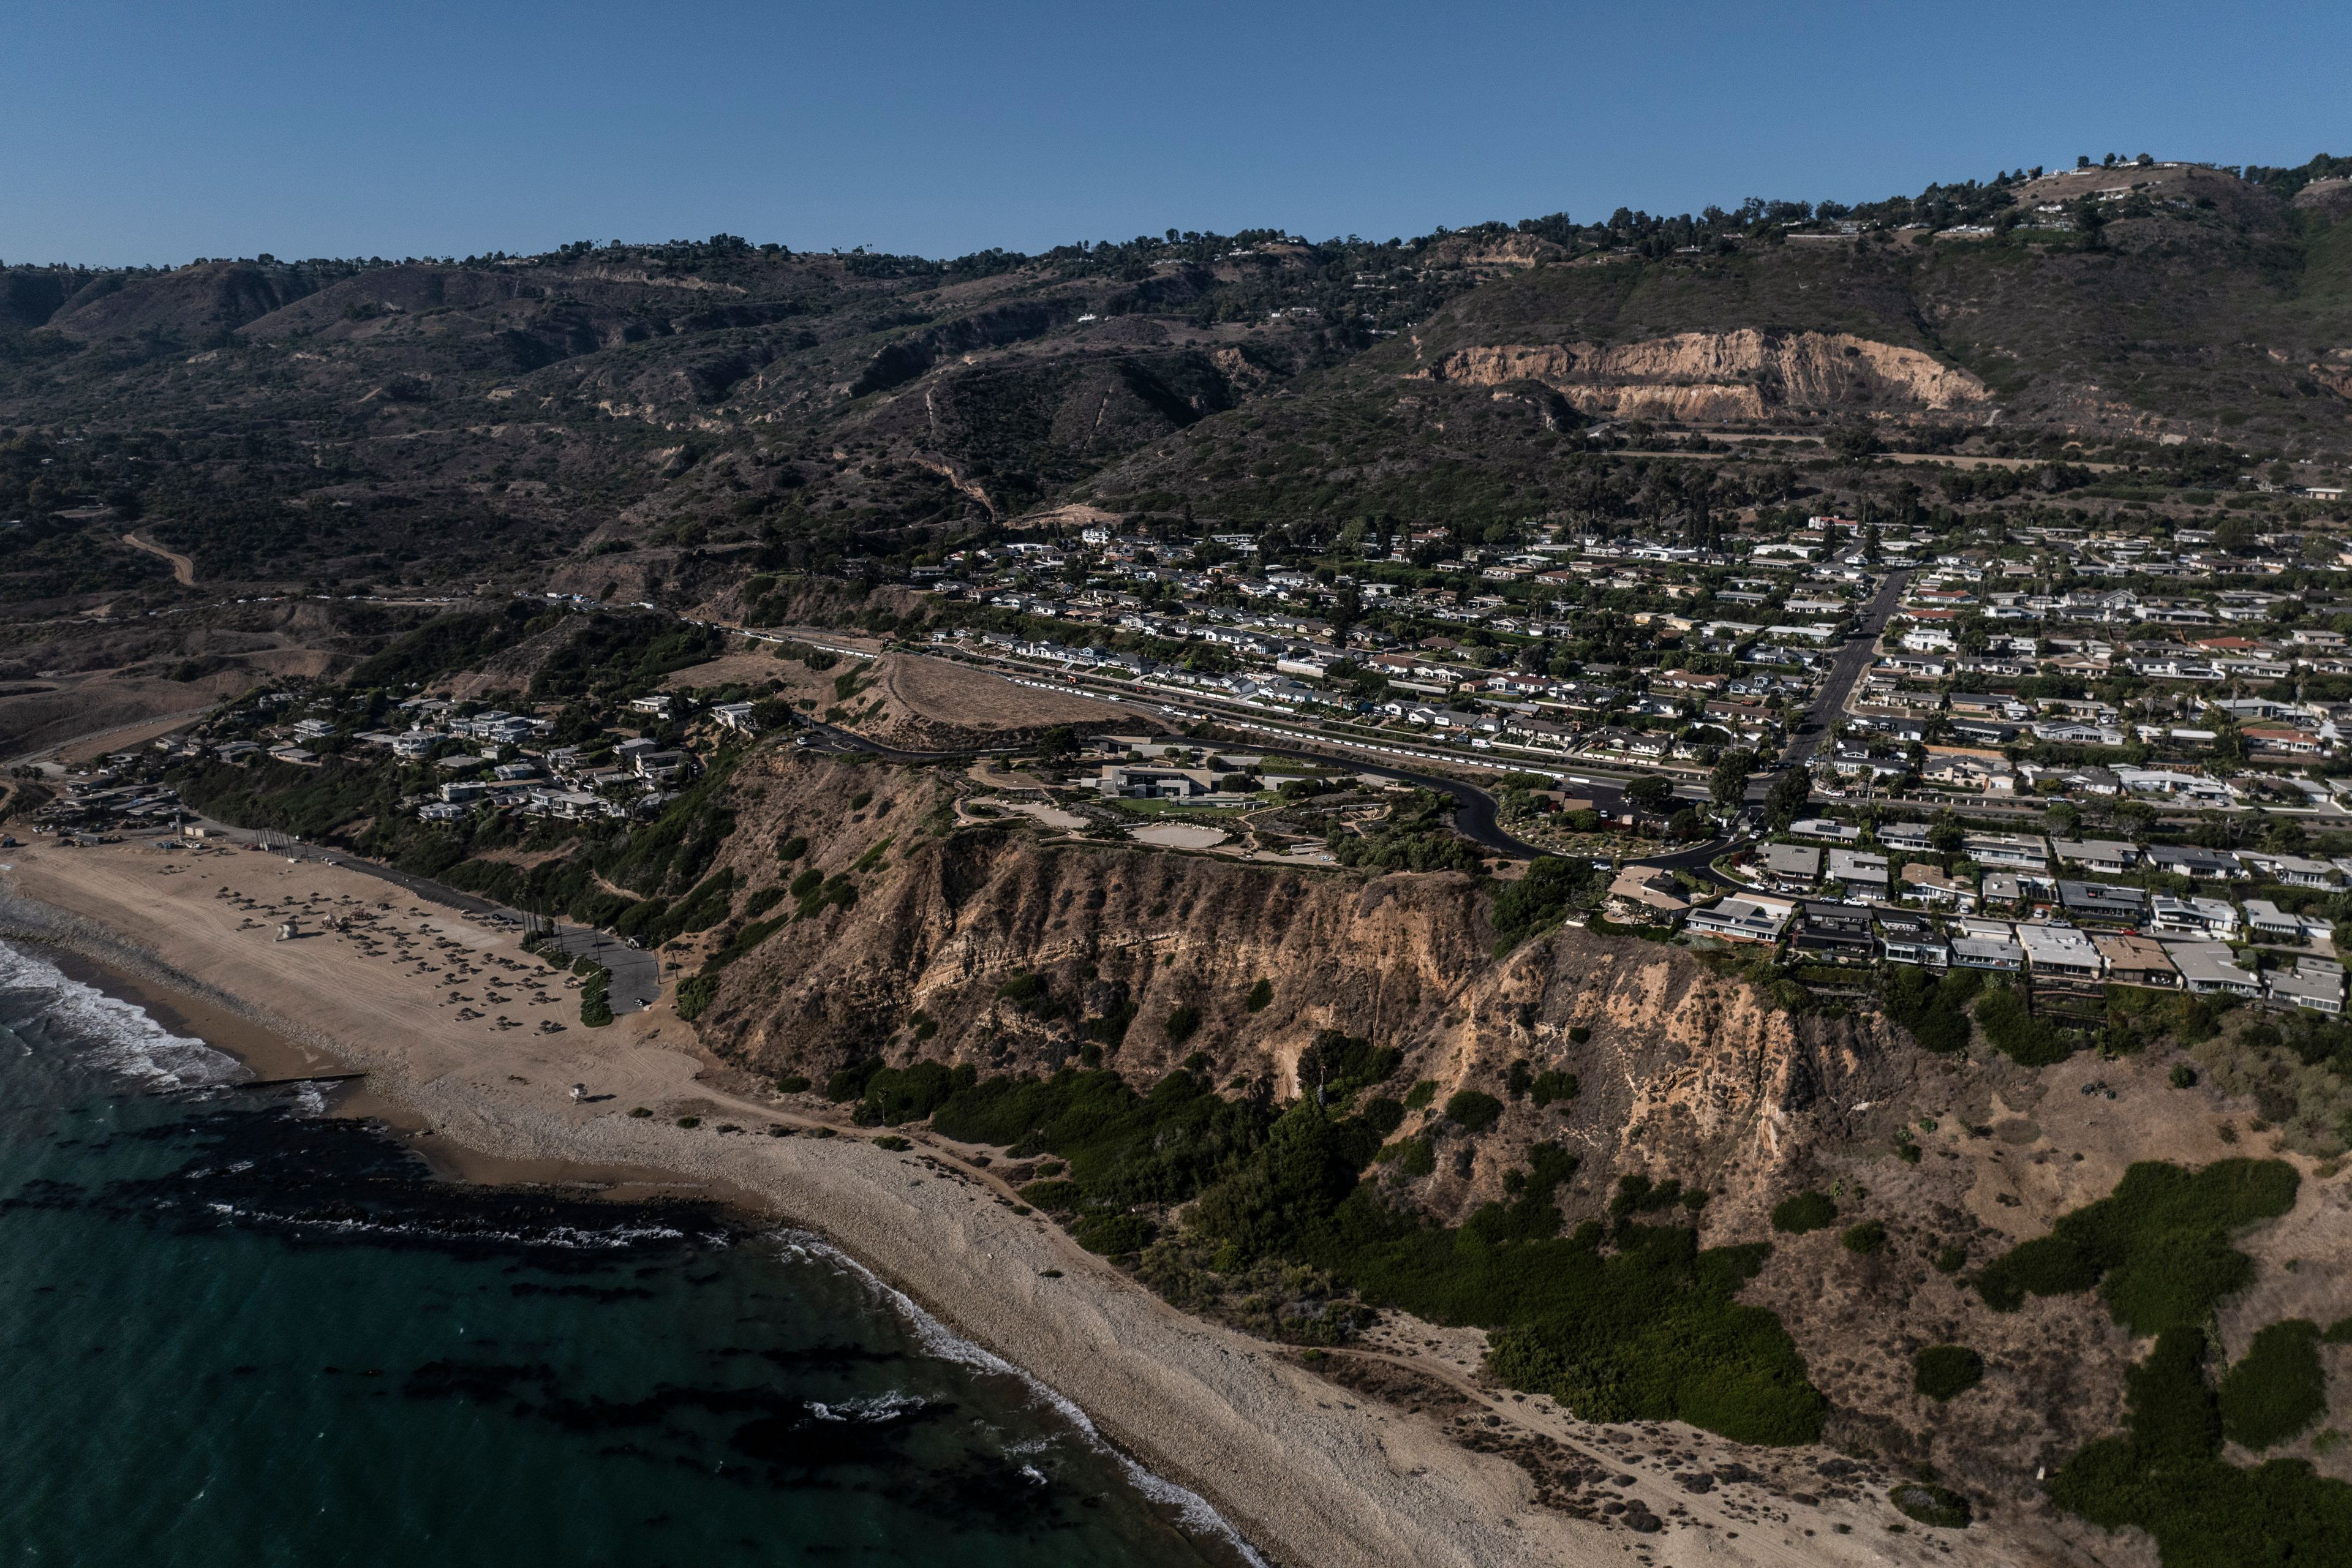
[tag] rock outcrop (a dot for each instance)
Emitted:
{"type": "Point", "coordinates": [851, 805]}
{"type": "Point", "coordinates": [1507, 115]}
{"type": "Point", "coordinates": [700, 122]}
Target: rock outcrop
{"type": "Point", "coordinates": [1749, 375]}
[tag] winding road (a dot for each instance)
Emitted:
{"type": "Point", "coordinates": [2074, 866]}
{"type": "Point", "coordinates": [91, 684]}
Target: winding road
{"type": "Point", "coordinates": [183, 571]}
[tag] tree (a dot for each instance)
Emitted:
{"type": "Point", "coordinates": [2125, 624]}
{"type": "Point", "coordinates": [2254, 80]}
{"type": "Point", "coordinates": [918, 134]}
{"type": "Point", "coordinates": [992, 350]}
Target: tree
{"type": "Point", "coordinates": [1728, 783]}
{"type": "Point", "coordinates": [1790, 792]}
{"type": "Point", "coordinates": [1685, 825]}
{"type": "Point", "coordinates": [1944, 835]}
{"type": "Point", "coordinates": [1648, 794]}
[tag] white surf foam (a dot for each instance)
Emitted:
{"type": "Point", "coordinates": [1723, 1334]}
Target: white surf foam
{"type": "Point", "coordinates": [117, 1036]}
{"type": "Point", "coordinates": [1189, 1506]}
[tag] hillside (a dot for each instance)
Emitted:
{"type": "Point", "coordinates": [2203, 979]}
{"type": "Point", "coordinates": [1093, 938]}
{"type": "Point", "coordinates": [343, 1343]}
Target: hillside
{"type": "Point", "coordinates": [458, 421]}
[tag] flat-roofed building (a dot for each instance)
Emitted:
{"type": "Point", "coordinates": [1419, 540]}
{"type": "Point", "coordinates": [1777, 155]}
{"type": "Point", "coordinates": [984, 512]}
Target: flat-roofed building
{"type": "Point", "coordinates": [1909, 938]}
{"type": "Point", "coordinates": [1743, 920]}
{"type": "Point", "coordinates": [2169, 916]}
{"type": "Point", "coordinates": [2314, 992]}
{"type": "Point", "coordinates": [2211, 968]}
{"type": "Point", "coordinates": [2137, 960]}
{"type": "Point", "coordinates": [2102, 901]}
{"type": "Point", "coordinates": [1858, 873]}
{"type": "Point", "coordinates": [2105, 856]}
{"type": "Point", "coordinates": [1992, 952]}
{"type": "Point", "coordinates": [1835, 931]}
{"type": "Point", "coordinates": [2060, 952]}
{"type": "Point", "coordinates": [2006, 849]}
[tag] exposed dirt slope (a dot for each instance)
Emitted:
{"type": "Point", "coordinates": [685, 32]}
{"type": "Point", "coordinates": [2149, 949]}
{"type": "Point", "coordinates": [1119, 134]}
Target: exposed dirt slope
{"type": "Point", "coordinates": [1745, 374]}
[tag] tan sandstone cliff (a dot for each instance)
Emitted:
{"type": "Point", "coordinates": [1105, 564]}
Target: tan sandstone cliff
{"type": "Point", "coordinates": [1745, 374]}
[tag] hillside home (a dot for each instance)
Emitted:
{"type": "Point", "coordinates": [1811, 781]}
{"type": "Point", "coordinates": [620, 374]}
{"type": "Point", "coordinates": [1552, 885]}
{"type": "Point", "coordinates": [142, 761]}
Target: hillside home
{"type": "Point", "coordinates": [2211, 968]}
{"type": "Point", "coordinates": [2135, 961]}
{"type": "Point", "coordinates": [1751, 920]}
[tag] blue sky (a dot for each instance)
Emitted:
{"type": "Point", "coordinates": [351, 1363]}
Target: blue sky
{"type": "Point", "coordinates": [138, 132]}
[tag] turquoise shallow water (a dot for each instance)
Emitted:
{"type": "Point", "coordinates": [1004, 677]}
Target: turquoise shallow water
{"type": "Point", "coordinates": [238, 1333]}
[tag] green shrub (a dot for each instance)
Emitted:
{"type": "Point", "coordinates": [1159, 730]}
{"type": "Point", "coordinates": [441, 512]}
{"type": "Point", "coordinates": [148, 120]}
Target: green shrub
{"type": "Point", "coordinates": [1418, 1096]}
{"type": "Point", "coordinates": [892, 1142]}
{"type": "Point", "coordinates": [1804, 1210]}
{"type": "Point", "coordinates": [2013, 1030]}
{"type": "Point", "coordinates": [2184, 1076]}
{"type": "Point", "coordinates": [792, 1083]}
{"type": "Point", "coordinates": [1865, 1239]}
{"type": "Point", "coordinates": [2278, 1389]}
{"type": "Point", "coordinates": [1261, 996]}
{"type": "Point", "coordinates": [689, 1122]}
{"type": "Point", "coordinates": [1112, 1233]}
{"type": "Point", "coordinates": [694, 995]}
{"type": "Point", "coordinates": [896, 1095]}
{"type": "Point", "coordinates": [1416, 1157]}
{"type": "Point", "coordinates": [2339, 1333]}
{"type": "Point", "coordinates": [1944, 1372]}
{"type": "Point", "coordinates": [791, 848]}
{"type": "Point", "coordinates": [1340, 1064]}
{"type": "Point", "coordinates": [1635, 1196]}
{"type": "Point", "coordinates": [1471, 1111]}
{"type": "Point", "coordinates": [1552, 1087]}
{"type": "Point", "coordinates": [1384, 1116]}
{"type": "Point", "coordinates": [761, 901]}
{"type": "Point", "coordinates": [1183, 1021]}
{"type": "Point", "coordinates": [1060, 1195]}
{"type": "Point", "coordinates": [1951, 1259]}
{"type": "Point", "coordinates": [1552, 887]}
{"type": "Point", "coordinates": [1579, 1034]}
{"type": "Point", "coordinates": [1520, 1078]}
{"type": "Point", "coordinates": [850, 1082]}
{"type": "Point", "coordinates": [596, 1005]}
{"type": "Point", "coordinates": [1936, 1011]}
{"type": "Point", "coordinates": [2157, 1248]}
{"type": "Point", "coordinates": [1931, 1504]}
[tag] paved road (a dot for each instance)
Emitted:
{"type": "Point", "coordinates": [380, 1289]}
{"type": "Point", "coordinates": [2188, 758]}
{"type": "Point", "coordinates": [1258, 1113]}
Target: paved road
{"type": "Point", "coordinates": [1852, 659]}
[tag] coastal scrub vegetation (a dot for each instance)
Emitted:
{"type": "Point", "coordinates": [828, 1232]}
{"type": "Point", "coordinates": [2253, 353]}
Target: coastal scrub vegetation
{"type": "Point", "coordinates": [1935, 1011]}
{"type": "Point", "coordinates": [2010, 1025]}
{"type": "Point", "coordinates": [1801, 1212]}
{"type": "Point", "coordinates": [2157, 1249]}
{"type": "Point", "coordinates": [2278, 1389]}
{"type": "Point", "coordinates": [1946, 1371]}
{"type": "Point", "coordinates": [2165, 1474]}
{"type": "Point", "coordinates": [1622, 1321]}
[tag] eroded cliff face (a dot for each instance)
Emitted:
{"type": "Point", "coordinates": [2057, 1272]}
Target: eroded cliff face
{"type": "Point", "coordinates": [1683, 1072]}
{"type": "Point", "coordinates": [1744, 374]}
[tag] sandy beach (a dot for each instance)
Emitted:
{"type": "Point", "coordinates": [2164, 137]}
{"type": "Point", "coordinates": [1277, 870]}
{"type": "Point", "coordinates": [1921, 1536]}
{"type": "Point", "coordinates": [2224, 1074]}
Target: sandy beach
{"type": "Point", "coordinates": [450, 1021]}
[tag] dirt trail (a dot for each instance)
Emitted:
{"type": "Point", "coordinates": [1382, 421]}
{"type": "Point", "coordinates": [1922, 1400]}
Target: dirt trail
{"type": "Point", "coordinates": [183, 571]}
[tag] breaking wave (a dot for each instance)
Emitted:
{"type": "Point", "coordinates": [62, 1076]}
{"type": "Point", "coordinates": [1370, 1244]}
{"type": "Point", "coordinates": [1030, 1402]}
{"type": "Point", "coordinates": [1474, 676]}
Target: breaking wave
{"type": "Point", "coordinates": [1190, 1508]}
{"type": "Point", "coordinates": [117, 1036]}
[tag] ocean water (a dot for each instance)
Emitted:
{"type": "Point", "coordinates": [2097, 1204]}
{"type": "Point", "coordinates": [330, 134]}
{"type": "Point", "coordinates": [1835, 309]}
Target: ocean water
{"type": "Point", "coordinates": [239, 1331]}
